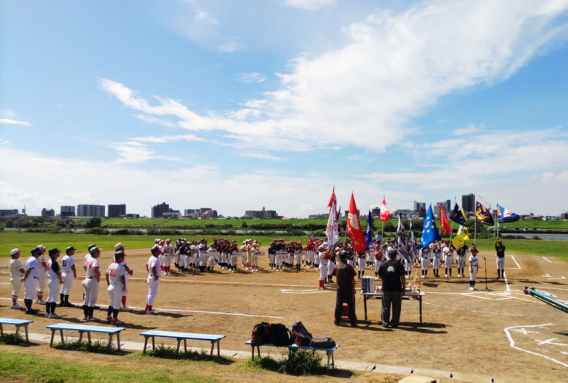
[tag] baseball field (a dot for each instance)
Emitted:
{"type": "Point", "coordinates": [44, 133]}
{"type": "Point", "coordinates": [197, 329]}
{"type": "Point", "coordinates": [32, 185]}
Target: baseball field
{"type": "Point", "coordinates": [498, 334]}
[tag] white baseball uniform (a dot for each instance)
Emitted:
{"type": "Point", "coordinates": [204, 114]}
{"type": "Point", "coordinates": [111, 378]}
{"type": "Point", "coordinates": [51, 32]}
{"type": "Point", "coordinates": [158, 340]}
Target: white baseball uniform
{"type": "Point", "coordinates": [322, 266]}
{"type": "Point", "coordinates": [67, 262]}
{"type": "Point", "coordinates": [53, 280]}
{"type": "Point", "coordinates": [90, 283]}
{"type": "Point", "coordinates": [152, 283]}
{"type": "Point", "coordinates": [115, 271]}
{"type": "Point", "coordinates": [16, 277]}
{"type": "Point", "coordinates": [124, 265]}
{"type": "Point", "coordinates": [30, 283]}
{"type": "Point", "coordinates": [473, 264]}
{"type": "Point", "coordinates": [42, 277]}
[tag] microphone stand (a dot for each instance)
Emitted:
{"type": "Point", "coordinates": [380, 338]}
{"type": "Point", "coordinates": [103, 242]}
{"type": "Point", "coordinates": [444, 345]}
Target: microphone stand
{"type": "Point", "coordinates": [485, 260]}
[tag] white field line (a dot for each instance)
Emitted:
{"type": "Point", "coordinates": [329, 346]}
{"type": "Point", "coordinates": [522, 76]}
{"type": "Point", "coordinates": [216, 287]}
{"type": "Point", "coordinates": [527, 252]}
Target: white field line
{"type": "Point", "coordinates": [223, 282]}
{"type": "Point", "coordinates": [512, 343]}
{"type": "Point", "coordinates": [547, 260]}
{"type": "Point", "coordinates": [517, 263]}
{"type": "Point", "coordinates": [165, 309]}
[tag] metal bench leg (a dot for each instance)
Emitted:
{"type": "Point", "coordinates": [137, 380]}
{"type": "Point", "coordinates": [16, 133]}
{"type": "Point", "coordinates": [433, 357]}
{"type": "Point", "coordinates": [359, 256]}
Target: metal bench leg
{"type": "Point", "coordinates": [61, 333]}
{"type": "Point", "coordinates": [89, 336]}
{"type": "Point", "coordinates": [328, 355]}
{"type": "Point", "coordinates": [212, 345]}
{"type": "Point", "coordinates": [17, 330]}
{"type": "Point", "coordinates": [1, 329]}
{"type": "Point", "coordinates": [153, 343]}
{"type": "Point", "coordinates": [52, 335]}
{"type": "Point", "coordinates": [219, 347]}
{"type": "Point", "coordinates": [118, 340]}
{"type": "Point", "coordinates": [179, 342]}
{"type": "Point", "coordinates": [27, 337]}
{"type": "Point", "coordinates": [333, 360]}
{"type": "Point", "coordinates": [185, 345]}
{"type": "Point", "coordinates": [258, 350]}
{"type": "Point", "coordinates": [109, 341]}
{"type": "Point", "coordinates": [420, 309]}
{"type": "Point", "coordinates": [252, 347]}
{"type": "Point", "coordinates": [80, 337]}
{"type": "Point", "coordinates": [145, 344]}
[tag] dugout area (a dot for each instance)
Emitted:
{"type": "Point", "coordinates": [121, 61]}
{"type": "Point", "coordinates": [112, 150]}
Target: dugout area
{"type": "Point", "coordinates": [501, 334]}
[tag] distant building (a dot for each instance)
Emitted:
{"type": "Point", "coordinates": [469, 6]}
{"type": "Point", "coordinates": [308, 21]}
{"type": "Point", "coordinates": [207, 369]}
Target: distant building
{"type": "Point", "coordinates": [9, 213]}
{"type": "Point", "coordinates": [318, 216]}
{"type": "Point", "coordinates": [405, 213]}
{"type": "Point", "coordinates": [159, 210]}
{"type": "Point", "coordinates": [171, 214]}
{"type": "Point", "coordinates": [131, 215]}
{"type": "Point", "coordinates": [468, 202]}
{"type": "Point", "coordinates": [564, 216]}
{"type": "Point", "coordinates": [376, 211]}
{"type": "Point", "coordinates": [191, 213]}
{"type": "Point", "coordinates": [115, 211]}
{"type": "Point", "coordinates": [419, 206]}
{"type": "Point", "coordinates": [265, 214]}
{"type": "Point", "coordinates": [47, 212]}
{"type": "Point", "coordinates": [67, 211]}
{"type": "Point", "coordinates": [209, 214]}
{"type": "Point", "coordinates": [347, 213]}
{"type": "Point", "coordinates": [203, 210]}
{"type": "Point", "coordinates": [91, 210]}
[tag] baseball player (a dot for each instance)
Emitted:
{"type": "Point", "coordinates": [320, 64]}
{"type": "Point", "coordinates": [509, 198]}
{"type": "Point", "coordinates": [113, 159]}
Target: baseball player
{"type": "Point", "coordinates": [16, 274]}
{"type": "Point", "coordinates": [461, 254]}
{"type": "Point", "coordinates": [473, 264]}
{"type": "Point", "coordinates": [322, 266]}
{"type": "Point", "coordinates": [154, 273]}
{"type": "Point", "coordinates": [362, 258]}
{"type": "Point", "coordinates": [42, 278]}
{"type": "Point", "coordinates": [378, 260]}
{"type": "Point", "coordinates": [91, 284]}
{"type": "Point", "coordinates": [55, 280]}
{"type": "Point", "coordinates": [211, 254]}
{"type": "Point", "coordinates": [425, 259]}
{"type": "Point", "coordinates": [254, 249]}
{"type": "Point", "coordinates": [128, 271]}
{"type": "Point", "coordinates": [30, 277]}
{"type": "Point", "coordinates": [500, 249]}
{"type": "Point", "coordinates": [436, 253]}
{"type": "Point", "coordinates": [167, 249]}
{"type": "Point", "coordinates": [448, 251]}
{"type": "Point", "coordinates": [69, 275]}
{"type": "Point", "coordinates": [116, 282]}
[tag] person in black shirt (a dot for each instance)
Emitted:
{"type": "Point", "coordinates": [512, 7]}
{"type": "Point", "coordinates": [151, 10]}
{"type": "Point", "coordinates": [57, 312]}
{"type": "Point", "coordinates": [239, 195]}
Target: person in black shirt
{"type": "Point", "coordinates": [393, 275]}
{"type": "Point", "coordinates": [500, 249]}
{"type": "Point", "coordinates": [345, 283]}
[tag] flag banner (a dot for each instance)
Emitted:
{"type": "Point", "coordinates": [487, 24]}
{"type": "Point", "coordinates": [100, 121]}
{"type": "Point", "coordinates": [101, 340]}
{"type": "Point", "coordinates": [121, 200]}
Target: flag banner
{"type": "Point", "coordinates": [504, 215]}
{"type": "Point", "coordinates": [459, 240]}
{"type": "Point", "coordinates": [412, 239]}
{"type": "Point", "coordinates": [444, 221]}
{"type": "Point", "coordinates": [402, 245]}
{"type": "Point", "coordinates": [458, 216]}
{"type": "Point", "coordinates": [369, 235]}
{"type": "Point", "coordinates": [429, 231]}
{"type": "Point", "coordinates": [332, 230]}
{"type": "Point", "coordinates": [483, 215]}
{"type": "Point", "coordinates": [385, 213]}
{"type": "Point", "coordinates": [354, 228]}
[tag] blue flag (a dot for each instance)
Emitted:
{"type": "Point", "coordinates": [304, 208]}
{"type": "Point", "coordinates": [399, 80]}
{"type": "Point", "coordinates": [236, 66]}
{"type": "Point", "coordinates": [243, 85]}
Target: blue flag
{"type": "Point", "coordinates": [369, 235]}
{"type": "Point", "coordinates": [504, 215]}
{"type": "Point", "coordinates": [429, 231]}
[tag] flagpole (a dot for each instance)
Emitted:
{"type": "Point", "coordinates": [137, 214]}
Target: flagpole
{"type": "Point", "coordinates": [475, 222]}
{"type": "Point", "coordinates": [452, 227]}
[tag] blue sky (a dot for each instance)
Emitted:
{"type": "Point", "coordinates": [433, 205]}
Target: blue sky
{"type": "Point", "coordinates": [236, 105]}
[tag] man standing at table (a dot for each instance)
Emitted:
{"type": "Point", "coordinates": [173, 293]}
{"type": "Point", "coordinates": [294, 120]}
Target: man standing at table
{"type": "Point", "coordinates": [345, 282]}
{"type": "Point", "coordinates": [393, 276]}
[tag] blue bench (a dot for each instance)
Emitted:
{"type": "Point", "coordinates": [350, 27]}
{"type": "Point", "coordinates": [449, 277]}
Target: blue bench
{"type": "Point", "coordinates": [293, 347]}
{"type": "Point", "coordinates": [179, 336]}
{"type": "Point", "coordinates": [86, 329]}
{"type": "Point", "coordinates": [18, 323]}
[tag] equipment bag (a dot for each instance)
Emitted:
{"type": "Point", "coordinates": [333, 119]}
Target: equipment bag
{"type": "Point", "coordinates": [260, 334]}
{"type": "Point", "coordinates": [279, 334]}
{"type": "Point", "coordinates": [322, 342]}
{"type": "Point", "coordinates": [300, 335]}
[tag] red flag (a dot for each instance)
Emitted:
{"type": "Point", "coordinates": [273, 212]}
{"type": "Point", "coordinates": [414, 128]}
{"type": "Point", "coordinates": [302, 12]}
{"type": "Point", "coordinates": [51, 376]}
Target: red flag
{"type": "Point", "coordinates": [385, 213]}
{"type": "Point", "coordinates": [332, 200]}
{"type": "Point", "coordinates": [444, 221]}
{"type": "Point", "coordinates": [354, 228]}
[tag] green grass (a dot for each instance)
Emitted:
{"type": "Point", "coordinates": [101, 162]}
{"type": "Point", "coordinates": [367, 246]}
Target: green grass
{"type": "Point", "coordinates": [96, 347]}
{"type": "Point", "coordinates": [198, 223]}
{"type": "Point", "coordinates": [300, 363]}
{"type": "Point", "coordinates": [27, 241]}
{"type": "Point", "coordinates": [23, 367]}
{"type": "Point", "coordinates": [168, 352]}
{"type": "Point", "coordinates": [558, 249]}
{"type": "Point", "coordinates": [10, 338]}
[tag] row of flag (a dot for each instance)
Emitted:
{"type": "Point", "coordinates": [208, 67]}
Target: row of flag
{"type": "Point", "coordinates": [430, 232]}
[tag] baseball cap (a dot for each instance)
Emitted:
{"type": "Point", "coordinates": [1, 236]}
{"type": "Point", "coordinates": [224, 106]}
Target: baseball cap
{"type": "Point", "coordinates": [41, 247]}
{"type": "Point", "coordinates": [15, 251]}
{"type": "Point", "coordinates": [91, 246]}
{"type": "Point", "coordinates": [54, 251]}
{"type": "Point", "coordinates": [154, 248]}
{"type": "Point", "coordinates": [119, 254]}
{"type": "Point", "coordinates": [118, 246]}
{"type": "Point", "coordinates": [95, 249]}
{"type": "Point", "coordinates": [70, 248]}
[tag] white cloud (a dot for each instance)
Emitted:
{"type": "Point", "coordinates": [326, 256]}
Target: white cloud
{"type": "Point", "coordinates": [168, 139]}
{"type": "Point", "coordinates": [133, 152]}
{"type": "Point", "coordinates": [7, 113]}
{"type": "Point", "coordinates": [469, 129]}
{"type": "Point", "coordinates": [250, 77]}
{"type": "Point", "coordinates": [4, 142]}
{"type": "Point", "coordinates": [394, 68]}
{"type": "Point", "coordinates": [309, 5]}
{"type": "Point", "coordinates": [9, 121]}
{"type": "Point", "coordinates": [230, 45]}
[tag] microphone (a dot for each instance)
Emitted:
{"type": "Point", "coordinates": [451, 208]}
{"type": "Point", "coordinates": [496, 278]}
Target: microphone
{"type": "Point", "coordinates": [484, 258]}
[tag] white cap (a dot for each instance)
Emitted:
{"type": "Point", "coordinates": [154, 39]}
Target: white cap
{"type": "Point", "coordinates": [15, 251]}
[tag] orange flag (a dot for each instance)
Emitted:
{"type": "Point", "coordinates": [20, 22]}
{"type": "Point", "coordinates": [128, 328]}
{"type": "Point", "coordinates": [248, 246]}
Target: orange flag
{"type": "Point", "coordinates": [444, 221]}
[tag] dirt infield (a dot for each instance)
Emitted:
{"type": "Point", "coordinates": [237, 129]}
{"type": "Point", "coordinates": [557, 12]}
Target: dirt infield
{"type": "Point", "coordinates": [500, 334]}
